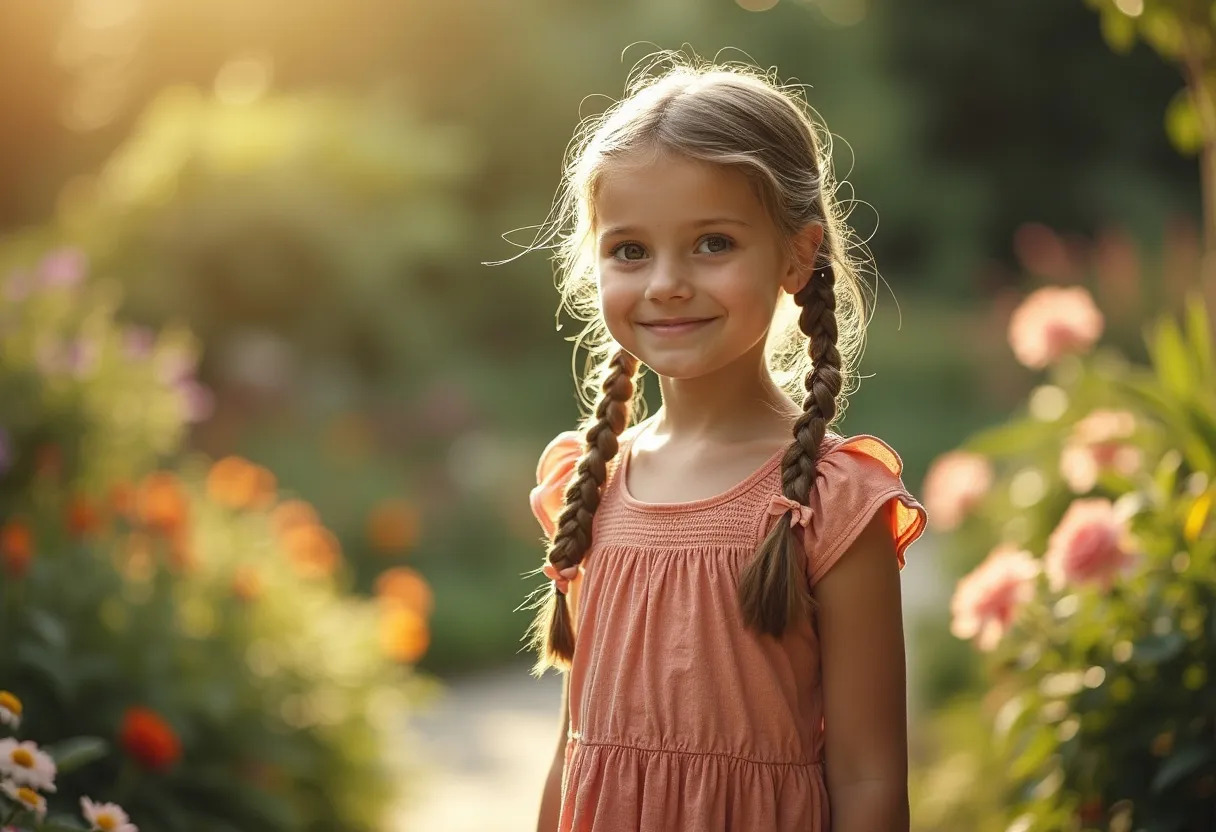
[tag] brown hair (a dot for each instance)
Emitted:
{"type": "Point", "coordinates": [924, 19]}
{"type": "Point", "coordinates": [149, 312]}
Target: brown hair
{"type": "Point", "coordinates": [728, 115]}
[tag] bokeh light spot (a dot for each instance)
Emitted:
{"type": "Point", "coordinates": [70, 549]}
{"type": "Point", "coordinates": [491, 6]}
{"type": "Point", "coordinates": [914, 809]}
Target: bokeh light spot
{"type": "Point", "coordinates": [756, 5]}
{"type": "Point", "coordinates": [243, 80]}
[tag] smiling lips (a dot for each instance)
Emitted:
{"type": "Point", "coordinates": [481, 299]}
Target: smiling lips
{"type": "Point", "coordinates": [675, 326]}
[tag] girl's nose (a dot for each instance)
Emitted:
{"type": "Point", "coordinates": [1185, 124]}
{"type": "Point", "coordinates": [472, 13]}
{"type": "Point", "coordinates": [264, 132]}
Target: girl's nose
{"type": "Point", "coordinates": [667, 280]}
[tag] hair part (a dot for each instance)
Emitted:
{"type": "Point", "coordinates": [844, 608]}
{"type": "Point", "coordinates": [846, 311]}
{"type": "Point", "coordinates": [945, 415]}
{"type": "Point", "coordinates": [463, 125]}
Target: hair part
{"type": "Point", "coordinates": [732, 115]}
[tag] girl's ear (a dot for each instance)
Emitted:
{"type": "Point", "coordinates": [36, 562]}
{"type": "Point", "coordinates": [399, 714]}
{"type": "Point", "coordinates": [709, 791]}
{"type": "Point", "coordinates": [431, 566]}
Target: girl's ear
{"type": "Point", "coordinates": [805, 245]}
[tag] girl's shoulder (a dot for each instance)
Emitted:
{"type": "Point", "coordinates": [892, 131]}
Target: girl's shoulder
{"type": "Point", "coordinates": [554, 469]}
{"type": "Point", "coordinates": [855, 477]}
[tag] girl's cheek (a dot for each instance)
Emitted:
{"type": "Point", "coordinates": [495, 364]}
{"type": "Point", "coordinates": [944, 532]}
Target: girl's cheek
{"type": "Point", "coordinates": [616, 304]}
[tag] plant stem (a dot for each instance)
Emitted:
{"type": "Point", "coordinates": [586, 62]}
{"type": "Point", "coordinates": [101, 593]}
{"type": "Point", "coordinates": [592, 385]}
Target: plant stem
{"type": "Point", "coordinates": [1195, 70]}
{"type": "Point", "coordinates": [127, 777]}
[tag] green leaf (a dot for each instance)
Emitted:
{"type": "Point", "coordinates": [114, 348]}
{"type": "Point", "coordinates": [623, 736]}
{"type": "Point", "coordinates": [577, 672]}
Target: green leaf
{"type": "Point", "coordinates": [1204, 424]}
{"type": "Point", "coordinates": [51, 667]}
{"type": "Point", "coordinates": [1161, 28]}
{"type": "Point", "coordinates": [1119, 31]}
{"type": "Point", "coordinates": [1184, 761]}
{"type": "Point", "coordinates": [70, 755]}
{"type": "Point", "coordinates": [1199, 337]}
{"type": "Point", "coordinates": [1182, 124]}
{"type": "Point", "coordinates": [1146, 394]}
{"type": "Point", "coordinates": [1037, 752]}
{"type": "Point", "coordinates": [61, 824]}
{"type": "Point", "coordinates": [1170, 359]}
{"type": "Point", "coordinates": [1158, 649]}
{"type": "Point", "coordinates": [48, 628]}
{"type": "Point", "coordinates": [1165, 477]}
{"type": "Point", "coordinates": [1011, 439]}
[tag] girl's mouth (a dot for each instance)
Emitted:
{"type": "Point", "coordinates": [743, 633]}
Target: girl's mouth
{"type": "Point", "coordinates": [678, 328]}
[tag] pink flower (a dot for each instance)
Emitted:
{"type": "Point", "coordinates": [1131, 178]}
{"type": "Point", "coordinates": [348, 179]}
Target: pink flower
{"type": "Point", "coordinates": [1091, 545]}
{"type": "Point", "coordinates": [955, 482]}
{"type": "Point", "coordinates": [1093, 448]}
{"type": "Point", "coordinates": [1043, 252]}
{"type": "Point", "coordinates": [196, 400]}
{"type": "Point", "coordinates": [63, 268]}
{"type": "Point", "coordinates": [1051, 322]}
{"type": "Point", "coordinates": [987, 600]}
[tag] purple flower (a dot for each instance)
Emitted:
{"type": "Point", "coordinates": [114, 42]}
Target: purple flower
{"type": "Point", "coordinates": [6, 452]}
{"type": "Point", "coordinates": [174, 366]}
{"type": "Point", "coordinates": [63, 268]}
{"type": "Point", "coordinates": [137, 342]}
{"type": "Point", "coordinates": [17, 286]}
{"type": "Point", "coordinates": [198, 402]}
{"type": "Point", "coordinates": [49, 357]}
{"type": "Point", "coordinates": [81, 358]}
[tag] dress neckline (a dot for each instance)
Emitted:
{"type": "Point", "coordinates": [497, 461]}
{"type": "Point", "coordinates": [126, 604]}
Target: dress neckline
{"type": "Point", "coordinates": [688, 505]}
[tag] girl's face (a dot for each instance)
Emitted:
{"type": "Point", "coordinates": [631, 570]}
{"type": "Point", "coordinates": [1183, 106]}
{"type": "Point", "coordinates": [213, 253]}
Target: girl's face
{"type": "Point", "coordinates": [683, 240]}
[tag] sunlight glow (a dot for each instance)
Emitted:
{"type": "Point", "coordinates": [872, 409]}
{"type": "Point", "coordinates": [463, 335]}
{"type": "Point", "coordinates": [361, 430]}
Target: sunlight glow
{"type": "Point", "coordinates": [244, 80]}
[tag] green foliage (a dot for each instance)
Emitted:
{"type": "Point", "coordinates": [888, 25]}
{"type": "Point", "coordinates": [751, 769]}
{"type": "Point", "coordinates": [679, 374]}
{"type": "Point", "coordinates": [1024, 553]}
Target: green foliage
{"type": "Point", "coordinates": [1179, 30]}
{"type": "Point", "coordinates": [134, 580]}
{"type": "Point", "coordinates": [79, 392]}
{"type": "Point", "coordinates": [1184, 33]}
{"type": "Point", "coordinates": [956, 780]}
{"type": "Point", "coordinates": [1109, 708]}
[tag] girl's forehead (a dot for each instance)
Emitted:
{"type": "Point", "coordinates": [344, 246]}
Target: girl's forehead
{"type": "Point", "coordinates": [668, 189]}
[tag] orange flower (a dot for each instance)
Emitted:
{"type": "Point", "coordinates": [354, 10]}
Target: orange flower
{"type": "Point", "coordinates": [247, 583]}
{"type": "Point", "coordinates": [237, 483]}
{"type": "Point", "coordinates": [162, 502]}
{"type": "Point", "coordinates": [149, 739]}
{"type": "Point", "coordinates": [123, 499]}
{"type": "Point", "coordinates": [182, 556]}
{"type": "Point", "coordinates": [404, 635]}
{"type": "Point", "coordinates": [392, 526]}
{"type": "Point", "coordinates": [406, 586]}
{"type": "Point", "coordinates": [313, 550]}
{"type": "Point", "coordinates": [291, 514]}
{"type": "Point", "coordinates": [82, 517]}
{"type": "Point", "coordinates": [16, 548]}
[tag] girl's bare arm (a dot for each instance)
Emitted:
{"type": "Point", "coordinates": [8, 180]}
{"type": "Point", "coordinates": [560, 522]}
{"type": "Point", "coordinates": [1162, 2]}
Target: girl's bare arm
{"type": "Point", "coordinates": [864, 685]}
{"type": "Point", "coordinates": [551, 798]}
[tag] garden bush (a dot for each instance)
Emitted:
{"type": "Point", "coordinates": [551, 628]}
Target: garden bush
{"type": "Point", "coordinates": [181, 610]}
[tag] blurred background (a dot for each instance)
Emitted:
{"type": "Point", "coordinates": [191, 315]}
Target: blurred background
{"type": "Point", "coordinates": [268, 424]}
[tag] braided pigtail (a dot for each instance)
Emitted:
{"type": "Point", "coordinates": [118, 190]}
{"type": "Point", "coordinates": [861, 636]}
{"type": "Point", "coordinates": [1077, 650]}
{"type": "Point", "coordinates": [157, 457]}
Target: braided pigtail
{"type": "Point", "coordinates": [772, 589]}
{"type": "Point", "coordinates": [552, 632]}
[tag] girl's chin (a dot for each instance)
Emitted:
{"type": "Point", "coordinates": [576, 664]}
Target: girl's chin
{"type": "Point", "coordinates": [668, 366]}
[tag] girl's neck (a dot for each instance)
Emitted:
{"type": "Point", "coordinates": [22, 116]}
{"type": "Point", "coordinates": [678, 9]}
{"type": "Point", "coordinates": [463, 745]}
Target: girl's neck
{"type": "Point", "coordinates": [739, 403]}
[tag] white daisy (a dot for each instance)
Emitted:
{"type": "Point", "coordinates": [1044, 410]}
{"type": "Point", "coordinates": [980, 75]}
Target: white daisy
{"type": "Point", "coordinates": [25, 765]}
{"type": "Point", "coordinates": [106, 817]}
{"type": "Point", "coordinates": [27, 797]}
{"type": "Point", "coordinates": [10, 709]}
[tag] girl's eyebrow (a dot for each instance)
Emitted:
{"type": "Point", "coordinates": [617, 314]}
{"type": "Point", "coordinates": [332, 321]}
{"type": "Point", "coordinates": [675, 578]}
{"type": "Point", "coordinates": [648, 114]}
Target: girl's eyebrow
{"type": "Point", "coordinates": [629, 229]}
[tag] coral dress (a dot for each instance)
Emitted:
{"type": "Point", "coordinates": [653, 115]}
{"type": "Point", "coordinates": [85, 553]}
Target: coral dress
{"type": "Point", "coordinates": [681, 719]}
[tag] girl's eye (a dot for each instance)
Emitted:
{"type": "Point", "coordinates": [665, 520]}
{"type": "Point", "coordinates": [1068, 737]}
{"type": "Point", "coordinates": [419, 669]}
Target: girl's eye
{"type": "Point", "coordinates": [717, 244]}
{"type": "Point", "coordinates": [632, 251]}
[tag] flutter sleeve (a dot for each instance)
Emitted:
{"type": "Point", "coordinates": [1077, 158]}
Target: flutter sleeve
{"type": "Point", "coordinates": [553, 471]}
{"type": "Point", "coordinates": [854, 480]}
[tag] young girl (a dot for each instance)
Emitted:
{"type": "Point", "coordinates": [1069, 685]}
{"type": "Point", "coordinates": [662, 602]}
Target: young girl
{"type": "Point", "coordinates": [724, 574]}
